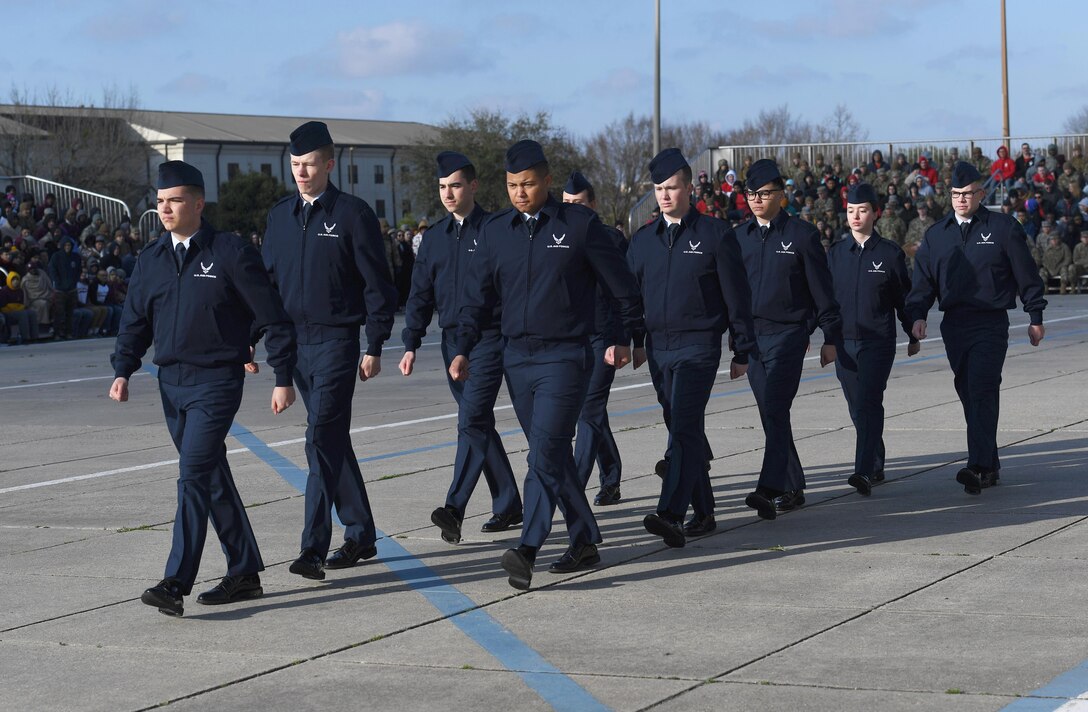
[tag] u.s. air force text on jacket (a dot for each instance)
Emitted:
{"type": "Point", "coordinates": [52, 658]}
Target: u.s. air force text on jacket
{"type": "Point", "coordinates": [871, 286]}
{"type": "Point", "coordinates": [546, 282]}
{"type": "Point", "coordinates": [202, 316]}
{"type": "Point", "coordinates": [980, 272]}
{"type": "Point", "coordinates": [331, 269]}
{"type": "Point", "coordinates": [439, 275]}
{"type": "Point", "coordinates": [693, 285]}
{"type": "Point", "coordinates": [789, 277]}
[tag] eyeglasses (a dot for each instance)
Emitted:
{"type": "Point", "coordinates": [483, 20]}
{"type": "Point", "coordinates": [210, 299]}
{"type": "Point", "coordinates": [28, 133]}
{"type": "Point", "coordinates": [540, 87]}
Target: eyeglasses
{"type": "Point", "coordinates": [761, 194]}
{"type": "Point", "coordinates": [964, 195]}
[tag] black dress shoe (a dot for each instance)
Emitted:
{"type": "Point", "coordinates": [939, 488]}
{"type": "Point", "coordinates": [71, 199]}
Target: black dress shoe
{"type": "Point", "coordinates": [308, 565]}
{"type": "Point", "coordinates": [698, 526]}
{"type": "Point", "coordinates": [446, 519]}
{"type": "Point", "coordinates": [609, 494]}
{"type": "Point", "coordinates": [990, 479]}
{"type": "Point", "coordinates": [671, 532]}
{"type": "Point", "coordinates": [349, 554]}
{"type": "Point", "coordinates": [232, 589]}
{"type": "Point", "coordinates": [166, 596]}
{"type": "Point", "coordinates": [762, 500]}
{"type": "Point", "coordinates": [972, 483]}
{"type": "Point", "coordinates": [789, 500]}
{"type": "Point", "coordinates": [861, 483]}
{"type": "Point", "coordinates": [502, 522]}
{"type": "Point", "coordinates": [518, 564]}
{"type": "Point", "coordinates": [575, 558]}
{"type": "Point", "coordinates": [877, 477]}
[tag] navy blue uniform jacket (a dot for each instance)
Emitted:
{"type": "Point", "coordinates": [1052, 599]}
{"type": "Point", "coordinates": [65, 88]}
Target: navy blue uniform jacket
{"type": "Point", "coordinates": [790, 281]}
{"type": "Point", "coordinates": [438, 278]}
{"type": "Point", "coordinates": [982, 273]}
{"type": "Point", "coordinates": [871, 287]}
{"type": "Point", "coordinates": [696, 284]}
{"type": "Point", "coordinates": [331, 272]}
{"type": "Point", "coordinates": [203, 316]}
{"type": "Point", "coordinates": [547, 284]}
{"type": "Point", "coordinates": [607, 324]}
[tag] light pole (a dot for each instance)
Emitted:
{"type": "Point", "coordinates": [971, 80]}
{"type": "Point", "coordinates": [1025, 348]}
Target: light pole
{"type": "Point", "coordinates": [1004, 78]}
{"type": "Point", "coordinates": [657, 75]}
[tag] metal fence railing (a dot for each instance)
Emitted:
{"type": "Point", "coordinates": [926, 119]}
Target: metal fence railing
{"type": "Point", "coordinates": [856, 153]}
{"type": "Point", "coordinates": [113, 210]}
{"type": "Point", "coordinates": [150, 226]}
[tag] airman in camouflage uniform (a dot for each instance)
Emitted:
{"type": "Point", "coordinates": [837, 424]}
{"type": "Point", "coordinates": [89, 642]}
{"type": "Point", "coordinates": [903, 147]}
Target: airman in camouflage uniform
{"type": "Point", "coordinates": [890, 225]}
{"type": "Point", "coordinates": [918, 226]}
{"type": "Point", "coordinates": [1057, 262]}
{"type": "Point", "coordinates": [1080, 260]}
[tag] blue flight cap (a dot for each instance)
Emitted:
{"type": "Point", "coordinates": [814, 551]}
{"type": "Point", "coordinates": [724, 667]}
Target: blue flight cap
{"type": "Point", "coordinates": [761, 173]}
{"type": "Point", "coordinates": [577, 183]}
{"type": "Point", "coordinates": [665, 164]}
{"type": "Point", "coordinates": [311, 136]}
{"type": "Point", "coordinates": [176, 173]}
{"type": "Point", "coordinates": [964, 174]}
{"type": "Point", "coordinates": [861, 193]}
{"type": "Point", "coordinates": [449, 162]}
{"type": "Point", "coordinates": [523, 155]}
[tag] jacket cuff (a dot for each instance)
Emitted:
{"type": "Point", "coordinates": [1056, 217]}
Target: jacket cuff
{"type": "Point", "coordinates": [283, 379]}
{"type": "Point", "coordinates": [1036, 317]}
{"type": "Point", "coordinates": [740, 359]}
{"type": "Point", "coordinates": [374, 349]}
{"type": "Point", "coordinates": [638, 338]}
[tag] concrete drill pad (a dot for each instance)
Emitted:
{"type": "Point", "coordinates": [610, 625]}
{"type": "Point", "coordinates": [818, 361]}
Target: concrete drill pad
{"type": "Point", "coordinates": [823, 554]}
{"type": "Point", "coordinates": [973, 651]}
{"type": "Point", "coordinates": [743, 697]}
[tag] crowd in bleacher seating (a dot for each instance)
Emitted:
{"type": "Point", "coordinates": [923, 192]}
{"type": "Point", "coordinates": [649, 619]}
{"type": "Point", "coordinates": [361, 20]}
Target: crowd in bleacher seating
{"type": "Point", "coordinates": [1046, 193]}
{"type": "Point", "coordinates": [63, 270]}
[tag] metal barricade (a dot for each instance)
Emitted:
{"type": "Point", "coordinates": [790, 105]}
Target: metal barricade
{"type": "Point", "coordinates": [113, 210]}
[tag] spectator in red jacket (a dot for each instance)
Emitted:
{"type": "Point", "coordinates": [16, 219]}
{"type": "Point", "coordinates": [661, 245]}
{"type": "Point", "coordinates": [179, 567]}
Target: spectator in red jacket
{"type": "Point", "coordinates": [927, 170]}
{"type": "Point", "coordinates": [1003, 169]}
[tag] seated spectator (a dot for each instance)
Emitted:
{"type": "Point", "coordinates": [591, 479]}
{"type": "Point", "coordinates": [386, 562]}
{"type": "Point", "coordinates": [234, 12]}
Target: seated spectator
{"type": "Point", "coordinates": [925, 169]}
{"type": "Point", "coordinates": [1057, 264]}
{"type": "Point", "coordinates": [1070, 180]}
{"type": "Point", "coordinates": [1077, 159]}
{"type": "Point", "coordinates": [1003, 170]}
{"type": "Point", "coordinates": [719, 175]}
{"type": "Point", "coordinates": [1080, 259]}
{"type": "Point", "coordinates": [1024, 162]}
{"type": "Point", "coordinates": [14, 313]}
{"type": "Point", "coordinates": [876, 161]}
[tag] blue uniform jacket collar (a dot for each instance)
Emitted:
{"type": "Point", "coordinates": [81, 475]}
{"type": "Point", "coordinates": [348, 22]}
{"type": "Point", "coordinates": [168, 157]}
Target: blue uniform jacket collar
{"type": "Point", "coordinates": [982, 214]}
{"type": "Point", "coordinates": [473, 219]}
{"type": "Point", "coordinates": [871, 244]}
{"type": "Point", "coordinates": [201, 238]}
{"type": "Point", "coordinates": [688, 221]}
{"type": "Point", "coordinates": [327, 201]}
{"type": "Point", "coordinates": [778, 223]}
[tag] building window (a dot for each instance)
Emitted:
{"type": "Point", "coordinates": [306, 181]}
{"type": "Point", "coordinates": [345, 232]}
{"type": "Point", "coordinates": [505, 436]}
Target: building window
{"type": "Point", "coordinates": [404, 173]}
{"type": "Point", "coordinates": [406, 206]}
{"type": "Point", "coordinates": [379, 174]}
{"type": "Point", "coordinates": [379, 208]}
{"type": "Point", "coordinates": [232, 171]}
{"type": "Point", "coordinates": [266, 168]}
{"type": "Point", "coordinates": [353, 174]}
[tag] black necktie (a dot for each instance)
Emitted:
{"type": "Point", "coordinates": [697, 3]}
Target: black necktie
{"type": "Point", "coordinates": [306, 208]}
{"type": "Point", "coordinates": [763, 230]}
{"type": "Point", "coordinates": [531, 224]}
{"type": "Point", "coordinates": [179, 253]}
{"type": "Point", "coordinates": [965, 227]}
{"type": "Point", "coordinates": [672, 229]}
{"type": "Point", "coordinates": [457, 229]}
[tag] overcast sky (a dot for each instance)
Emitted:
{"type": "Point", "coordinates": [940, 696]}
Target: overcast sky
{"type": "Point", "coordinates": [908, 69]}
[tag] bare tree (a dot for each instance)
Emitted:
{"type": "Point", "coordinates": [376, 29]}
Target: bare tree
{"type": "Point", "coordinates": [79, 142]}
{"type": "Point", "coordinates": [616, 164]}
{"type": "Point", "coordinates": [839, 127]}
{"type": "Point", "coordinates": [771, 126]}
{"type": "Point", "coordinates": [1078, 122]}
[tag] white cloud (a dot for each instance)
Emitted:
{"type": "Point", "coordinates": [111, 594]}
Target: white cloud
{"type": "Point", "coordinates": [402, 48]}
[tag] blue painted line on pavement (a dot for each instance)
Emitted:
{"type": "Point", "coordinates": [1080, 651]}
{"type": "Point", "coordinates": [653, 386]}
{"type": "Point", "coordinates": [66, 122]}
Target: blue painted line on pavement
{"type": "Point", "coordinates": [1065, 687]}
{"type": "Point", "coordinates": [548, 681]}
